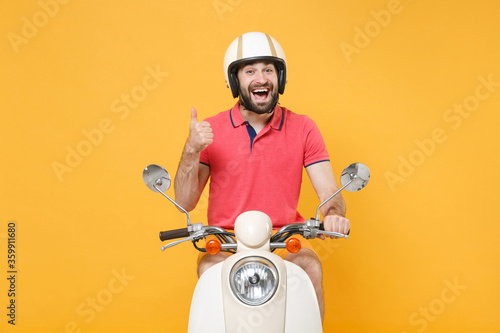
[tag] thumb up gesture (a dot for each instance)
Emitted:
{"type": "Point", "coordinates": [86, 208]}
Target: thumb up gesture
{"type": "Point", "coordinates": [200, 133]}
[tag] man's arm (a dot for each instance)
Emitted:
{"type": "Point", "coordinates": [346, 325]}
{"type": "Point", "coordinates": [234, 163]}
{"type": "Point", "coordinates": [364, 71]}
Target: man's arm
{"type": "Point", "coordinates": [191, 176]}
{"type": "Point", "coordinates": [323, 181]}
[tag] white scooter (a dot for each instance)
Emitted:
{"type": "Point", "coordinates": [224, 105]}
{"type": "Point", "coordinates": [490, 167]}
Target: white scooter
{"type": "Point", "coordinates": [254, 290]}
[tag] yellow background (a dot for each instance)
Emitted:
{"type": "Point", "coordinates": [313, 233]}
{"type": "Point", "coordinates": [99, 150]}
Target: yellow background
{"type": "Point", "coordinates": [417, 228]}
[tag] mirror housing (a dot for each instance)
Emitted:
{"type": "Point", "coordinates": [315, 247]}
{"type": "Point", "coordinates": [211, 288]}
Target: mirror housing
{"type": "Point", "coordinates": [158, 180]}
{"type": "Point", "coordinates": [353, 178]}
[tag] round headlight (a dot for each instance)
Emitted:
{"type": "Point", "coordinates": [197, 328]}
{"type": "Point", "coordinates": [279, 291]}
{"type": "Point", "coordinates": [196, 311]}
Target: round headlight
{"type": "Point", "coordinates": [254, 280]}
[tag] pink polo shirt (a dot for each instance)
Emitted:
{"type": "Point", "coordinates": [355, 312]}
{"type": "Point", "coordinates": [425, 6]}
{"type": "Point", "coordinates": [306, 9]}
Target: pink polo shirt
{"type": "Point", "coordinates": [259, 172]}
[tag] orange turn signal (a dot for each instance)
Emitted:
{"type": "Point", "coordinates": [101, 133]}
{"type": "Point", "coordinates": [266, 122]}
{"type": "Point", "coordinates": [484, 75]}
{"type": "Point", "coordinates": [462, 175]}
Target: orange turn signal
{"type": "Point", "coordinates": [293, 245]}
{"type": "Point", "coordinates": [213, 246]}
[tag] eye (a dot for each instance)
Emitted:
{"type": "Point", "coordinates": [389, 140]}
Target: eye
{"type": "Point", "coordinates": [249, 71]}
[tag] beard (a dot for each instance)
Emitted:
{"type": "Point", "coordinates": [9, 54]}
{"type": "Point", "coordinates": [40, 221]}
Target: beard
{"type": "Point", "coordinates": [258, 106]}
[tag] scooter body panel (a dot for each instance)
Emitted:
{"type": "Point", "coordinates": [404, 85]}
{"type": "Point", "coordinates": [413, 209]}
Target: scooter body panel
{"type": "Point", "coordinates": [302, 309]}
{"type": "Point", "coordinates": [266, 318]}
{"type": "Point", "coordinates": [298, 304]}
{"type": "Point", "coordinates": [207, 314]}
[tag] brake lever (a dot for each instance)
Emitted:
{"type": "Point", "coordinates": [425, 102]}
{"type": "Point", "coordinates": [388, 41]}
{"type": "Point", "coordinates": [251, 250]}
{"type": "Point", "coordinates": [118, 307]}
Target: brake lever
{"type": "Point", "coordinates": [196, 235]}
{"type": "Point", "coordinates": [332, 233]}
{"type": "Point", "coordinates": [177, 242]}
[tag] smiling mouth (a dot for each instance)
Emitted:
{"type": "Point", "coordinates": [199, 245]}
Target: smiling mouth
{"type": "Point", "coordinates": [261, 94]}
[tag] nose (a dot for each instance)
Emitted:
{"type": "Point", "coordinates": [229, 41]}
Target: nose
{"type": "Point", "coordinates": [260, 78]}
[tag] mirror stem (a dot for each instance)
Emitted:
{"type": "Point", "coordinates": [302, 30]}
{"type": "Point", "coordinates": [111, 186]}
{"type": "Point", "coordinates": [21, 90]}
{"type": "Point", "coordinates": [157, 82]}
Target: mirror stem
{"type": "Point", "coordinates": [175, 203]}
{"type": "Point", "coordinates": [334, 194]}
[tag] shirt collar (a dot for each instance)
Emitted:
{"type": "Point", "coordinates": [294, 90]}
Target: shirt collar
{"type": "Point", "coordinates": [237, 120]}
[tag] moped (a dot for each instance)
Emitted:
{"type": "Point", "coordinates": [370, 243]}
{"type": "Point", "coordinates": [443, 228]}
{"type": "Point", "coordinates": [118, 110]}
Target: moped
{"type": "Point", "coordinates": [253, 290]}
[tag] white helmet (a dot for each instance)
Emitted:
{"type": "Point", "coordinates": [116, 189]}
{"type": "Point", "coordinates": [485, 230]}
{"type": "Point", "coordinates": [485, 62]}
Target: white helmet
{"type": "Point", "coordinates": [250, 47]}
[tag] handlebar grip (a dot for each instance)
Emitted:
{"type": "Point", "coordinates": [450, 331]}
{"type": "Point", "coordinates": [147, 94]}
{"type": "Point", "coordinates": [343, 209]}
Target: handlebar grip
{"type": "Point", "coordinates": [322, 228]}
{"type": "Point", "coordinates": [172, 234]}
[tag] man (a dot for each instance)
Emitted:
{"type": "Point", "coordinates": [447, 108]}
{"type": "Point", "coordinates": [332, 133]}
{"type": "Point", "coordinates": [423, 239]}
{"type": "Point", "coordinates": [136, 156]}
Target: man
{"type": "Point", "coordinates": [254, 154]}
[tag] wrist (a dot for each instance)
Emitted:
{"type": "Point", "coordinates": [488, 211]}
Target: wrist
{"type": "Point", "coordinates": [333, 211]}
{"type": "Point", "coordinates": [190, 150]}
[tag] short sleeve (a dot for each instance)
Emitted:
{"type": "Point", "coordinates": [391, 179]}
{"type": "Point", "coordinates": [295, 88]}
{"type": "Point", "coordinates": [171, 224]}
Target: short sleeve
{"type": "Point", "coordinates": [314, 147]}
{"type": "Point", "coordinates": [204, 158]}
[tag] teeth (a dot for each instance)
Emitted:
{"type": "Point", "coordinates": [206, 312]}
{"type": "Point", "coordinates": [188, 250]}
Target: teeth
{"type": "Point", "coordinates": [260, 90]}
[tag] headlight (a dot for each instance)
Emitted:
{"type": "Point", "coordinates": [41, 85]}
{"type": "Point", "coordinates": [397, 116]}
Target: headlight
{"type": "Point", "coordinates": [254, 280]}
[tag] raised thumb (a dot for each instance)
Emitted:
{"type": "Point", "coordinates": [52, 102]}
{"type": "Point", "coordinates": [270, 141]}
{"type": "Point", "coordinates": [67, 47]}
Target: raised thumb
{"type": "Point", "coordinates": [194, 115]}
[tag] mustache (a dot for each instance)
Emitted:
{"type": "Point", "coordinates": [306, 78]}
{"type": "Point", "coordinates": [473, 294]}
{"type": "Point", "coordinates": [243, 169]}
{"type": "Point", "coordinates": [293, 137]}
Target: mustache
{"type": "Point", "coordinates": [266, 85]}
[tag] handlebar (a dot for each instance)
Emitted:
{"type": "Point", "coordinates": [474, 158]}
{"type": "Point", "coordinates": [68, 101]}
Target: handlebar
{"type": "Point", "coordinates": [173, 234]}
{"type": "Point", "coordinates": [201, 231]}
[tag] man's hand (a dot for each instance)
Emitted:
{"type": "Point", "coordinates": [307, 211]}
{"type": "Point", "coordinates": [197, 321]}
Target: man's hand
{"type": "Point", "coordinates": [200, 134]}
{"type": "Point", "coordinates": [336, 223]}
